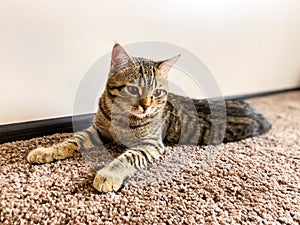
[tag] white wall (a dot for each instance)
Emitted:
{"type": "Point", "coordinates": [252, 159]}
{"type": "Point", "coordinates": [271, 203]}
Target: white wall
{"type": "Point", "coordinates": [47, 46]}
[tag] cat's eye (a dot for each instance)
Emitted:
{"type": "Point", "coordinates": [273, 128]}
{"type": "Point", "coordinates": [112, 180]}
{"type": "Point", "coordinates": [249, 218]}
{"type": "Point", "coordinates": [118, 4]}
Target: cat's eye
{"type": "Point", "coordinates": [133, 90]}
{"type": "Point", "coordinates": [159, 92]}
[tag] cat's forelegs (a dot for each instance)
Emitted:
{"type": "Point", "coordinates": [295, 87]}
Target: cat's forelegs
{"type": "Point", "coordinates": [112, 176]}
{"type": "Point", "coordinates": [64, 149]}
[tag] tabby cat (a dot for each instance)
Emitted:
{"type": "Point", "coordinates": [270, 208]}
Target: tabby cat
{"type": "Point", "coordinates": [135, 110]}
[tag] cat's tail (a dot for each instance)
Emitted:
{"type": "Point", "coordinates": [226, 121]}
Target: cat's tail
{"type": "Point", "coordinates": [243, 121]}
{"type": "Point", "coordinates": [263, 122]}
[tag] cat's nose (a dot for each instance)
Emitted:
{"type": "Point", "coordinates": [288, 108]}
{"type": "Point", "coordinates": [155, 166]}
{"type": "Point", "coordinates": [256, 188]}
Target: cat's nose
{"type": "Point", "coordinates": [145, 103]}
{"type": "Point", "coordinates": [145, 107]}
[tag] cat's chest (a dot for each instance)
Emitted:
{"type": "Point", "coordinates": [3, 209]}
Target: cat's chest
{"type": "Point", "coordinates": [130, 133]}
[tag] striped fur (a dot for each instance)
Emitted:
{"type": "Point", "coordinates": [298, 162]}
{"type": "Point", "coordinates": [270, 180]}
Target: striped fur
{"type": "Point", "coordinates": [136, 111]}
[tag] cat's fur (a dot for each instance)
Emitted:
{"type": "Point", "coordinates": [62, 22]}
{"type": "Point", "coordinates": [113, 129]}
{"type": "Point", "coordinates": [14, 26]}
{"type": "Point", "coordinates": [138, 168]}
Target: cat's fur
{"type": "Point", "coordinates": [136, 111]}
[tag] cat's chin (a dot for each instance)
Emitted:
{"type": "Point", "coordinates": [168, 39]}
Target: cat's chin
{"type": "Point", "coordinates": [141, 115]}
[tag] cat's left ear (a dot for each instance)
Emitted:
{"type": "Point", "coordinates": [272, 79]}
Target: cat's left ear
{"type": "Point", "coordinates": [166, 65]}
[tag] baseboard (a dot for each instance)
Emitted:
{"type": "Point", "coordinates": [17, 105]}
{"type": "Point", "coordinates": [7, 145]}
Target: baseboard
{"type": "Point", "coordinates": [261, 94]}
{"type": "Point", "coordinates": [39, 128]}
{"type": "Point", "coordinates": [32, 129]}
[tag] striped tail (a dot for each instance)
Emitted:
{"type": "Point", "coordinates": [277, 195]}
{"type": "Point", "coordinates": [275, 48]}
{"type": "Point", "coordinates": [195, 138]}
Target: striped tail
{"type": "Point", "coordinates": [244, 121]}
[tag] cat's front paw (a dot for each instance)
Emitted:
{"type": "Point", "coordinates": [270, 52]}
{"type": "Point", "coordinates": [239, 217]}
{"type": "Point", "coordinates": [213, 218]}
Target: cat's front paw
{"type": "Point", "coordinates": [106, 182]}
{"type": "Point", "coordinates": [40, 155]}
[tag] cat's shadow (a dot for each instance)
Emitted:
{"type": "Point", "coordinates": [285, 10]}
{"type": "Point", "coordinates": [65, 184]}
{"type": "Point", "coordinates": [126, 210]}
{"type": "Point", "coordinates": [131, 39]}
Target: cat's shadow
{"type": "Point", "coordinates": [99, 156]}
{"type": "Point", "coordinates": [175, 160]}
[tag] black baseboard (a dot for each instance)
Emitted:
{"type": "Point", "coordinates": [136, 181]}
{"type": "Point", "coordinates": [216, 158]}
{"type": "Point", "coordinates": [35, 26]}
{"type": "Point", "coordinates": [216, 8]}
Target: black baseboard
{"type": "Point", "coordinates": [32, 129]}
{"type": "Point", "coordinates": [262, 94]}
{"type": "Point", "coordinates": [39, 128]}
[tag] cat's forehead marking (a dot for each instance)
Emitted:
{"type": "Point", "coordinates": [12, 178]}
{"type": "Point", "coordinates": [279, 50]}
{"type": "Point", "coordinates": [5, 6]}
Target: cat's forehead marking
{"type": "Point", "coordinates": [146, 72]}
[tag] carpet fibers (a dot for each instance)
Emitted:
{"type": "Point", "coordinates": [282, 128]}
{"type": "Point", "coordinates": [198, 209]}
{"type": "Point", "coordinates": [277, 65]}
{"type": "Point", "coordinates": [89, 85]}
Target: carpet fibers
{"type": "Point", "coordinates": [253, 181]}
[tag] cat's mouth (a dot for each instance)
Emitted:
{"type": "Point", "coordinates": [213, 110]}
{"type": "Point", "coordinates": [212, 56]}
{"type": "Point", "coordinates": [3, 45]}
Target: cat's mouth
{"type": "Point", "coordinates": [141, 111]}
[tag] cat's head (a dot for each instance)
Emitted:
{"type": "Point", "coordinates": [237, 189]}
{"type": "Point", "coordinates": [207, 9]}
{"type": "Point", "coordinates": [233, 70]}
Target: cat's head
{"type": "Point", "coordinates": [139, 84]}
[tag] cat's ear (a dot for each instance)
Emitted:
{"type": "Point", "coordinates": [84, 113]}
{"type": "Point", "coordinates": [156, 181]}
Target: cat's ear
{"type": "Point", "coordinates": [166, 65]}
{"type": "Point", "coordinates": [119, 58]}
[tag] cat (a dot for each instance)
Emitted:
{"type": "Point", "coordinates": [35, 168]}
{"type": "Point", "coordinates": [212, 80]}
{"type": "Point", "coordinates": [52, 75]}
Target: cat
{"type": "Point", "coordinates": [137, 111]}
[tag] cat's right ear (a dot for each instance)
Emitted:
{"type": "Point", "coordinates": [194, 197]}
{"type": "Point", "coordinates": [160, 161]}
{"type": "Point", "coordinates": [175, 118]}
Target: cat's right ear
{"type": "Point", "coordinates": [119, 58]}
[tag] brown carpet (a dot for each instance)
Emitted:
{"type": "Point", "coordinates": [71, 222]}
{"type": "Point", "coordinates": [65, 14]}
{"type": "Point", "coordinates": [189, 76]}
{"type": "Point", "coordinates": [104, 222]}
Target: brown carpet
{"type": "Point", "coordinates": [253, 181]}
